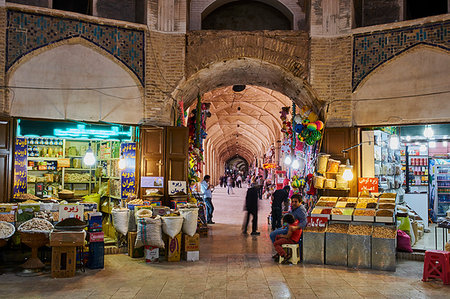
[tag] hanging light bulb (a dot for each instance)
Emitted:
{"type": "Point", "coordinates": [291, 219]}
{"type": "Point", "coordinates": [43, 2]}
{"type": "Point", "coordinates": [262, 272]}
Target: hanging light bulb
{"type": "Point", "coordinates": [394, 142]}
{"type": "Point", "coordinates": [287, 160]}
{"type": "Point", "coordinates": [122, 163]}
{"type": "Point", "coordinates": [348, 172]}
{"type": "Point", "coordinates": [428, 132]}
{"type": "Point", "coordinates": [295, 164]}
{"type": "Point", "coordinates": [89, 158]}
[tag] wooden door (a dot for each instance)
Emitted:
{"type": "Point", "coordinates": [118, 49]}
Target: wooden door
{"type": "Point", "coordinates": [5, 159]}
{"type": "Point", "coordinates": [152, 152]}
{"type": "Point", "coordinates": [176, 154]}
{"type": "Point", "coordinates": [337, 139]}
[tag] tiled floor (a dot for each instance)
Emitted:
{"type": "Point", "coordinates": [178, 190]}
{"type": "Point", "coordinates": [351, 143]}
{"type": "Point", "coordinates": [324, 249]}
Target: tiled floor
{"type": "Point", "coordinates": [231, 266]}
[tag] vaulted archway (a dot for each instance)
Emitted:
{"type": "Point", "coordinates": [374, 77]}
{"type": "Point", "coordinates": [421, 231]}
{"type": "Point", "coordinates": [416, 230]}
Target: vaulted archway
{"type": "Point", "coordinates": [92, 85]}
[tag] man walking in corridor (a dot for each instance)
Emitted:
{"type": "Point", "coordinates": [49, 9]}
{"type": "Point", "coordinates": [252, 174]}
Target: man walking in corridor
{"type": "Point", "coordinates": [251, 206]}
{"type": "Point", "coordinates": [206, 189]}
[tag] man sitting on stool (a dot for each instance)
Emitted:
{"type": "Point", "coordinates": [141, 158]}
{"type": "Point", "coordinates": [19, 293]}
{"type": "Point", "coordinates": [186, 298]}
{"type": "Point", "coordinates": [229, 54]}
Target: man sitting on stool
{"type": "Point", "coordinates": [299, 213]}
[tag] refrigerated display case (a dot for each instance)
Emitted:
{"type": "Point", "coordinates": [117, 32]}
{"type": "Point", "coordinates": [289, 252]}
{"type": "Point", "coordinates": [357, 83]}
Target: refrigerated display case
{"type": "Point", "coordinates": [440, 186]}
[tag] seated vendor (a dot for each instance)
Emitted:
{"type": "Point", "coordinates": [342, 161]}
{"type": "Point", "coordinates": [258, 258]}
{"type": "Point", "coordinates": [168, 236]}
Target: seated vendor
{"type": "Point", "coordinates": [298, 211]}
{"type": "Point", "coordinates": [292, 237]}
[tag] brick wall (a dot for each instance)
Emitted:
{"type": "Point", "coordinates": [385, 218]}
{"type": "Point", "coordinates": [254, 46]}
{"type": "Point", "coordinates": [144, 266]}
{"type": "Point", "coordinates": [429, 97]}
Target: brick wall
{"type": "Point", "coordinates": [331, 75]}
{"type": "Point", "coordinates": [165, 55]}
{"type": "Point", "coordinates": [119, 10]}
{"type": "Point", "coordinates": [287, 49]}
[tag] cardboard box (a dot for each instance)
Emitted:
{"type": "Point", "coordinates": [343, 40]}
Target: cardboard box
{"type": "Point", "coordinates": [95, 221]}
{"type": "Point", "coordinates": [134, 252]}
{"type": "Point", "coordinates": [62, 239]}
{"type": "Point", "coordinates": [151, 254]}
{"type": "Point", "coordinates": [191, 243]}
{"type": "Point", "coordinates": [173, 248]}
{"type": "Point", "coordinates": [191, 256]}
{"type": "Point", "coordinates": [96, 237]}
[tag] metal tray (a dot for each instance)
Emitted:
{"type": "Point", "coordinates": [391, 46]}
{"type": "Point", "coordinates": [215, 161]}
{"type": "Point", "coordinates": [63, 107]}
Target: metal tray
{"type": "Point", "coordinates": [342, 217]}
{"type": "Point", "coordinates": [384, 219]}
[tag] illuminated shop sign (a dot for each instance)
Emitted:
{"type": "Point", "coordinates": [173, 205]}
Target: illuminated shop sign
{"type": "Point", "coordinates": [34, 128]}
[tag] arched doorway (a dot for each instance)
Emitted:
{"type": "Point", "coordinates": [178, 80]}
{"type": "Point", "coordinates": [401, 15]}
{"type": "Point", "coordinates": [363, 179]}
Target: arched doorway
{"type": "Point", "coordinates": [90, 86]}
{"type": "Point", "coordinates": [237, 164]}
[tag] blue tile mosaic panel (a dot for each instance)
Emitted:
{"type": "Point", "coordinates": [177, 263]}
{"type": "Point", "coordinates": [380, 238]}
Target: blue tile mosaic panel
{"type": "Point", "coordinates": [30, 31]}
{"type": "Point", "coordinates": [372, 49]}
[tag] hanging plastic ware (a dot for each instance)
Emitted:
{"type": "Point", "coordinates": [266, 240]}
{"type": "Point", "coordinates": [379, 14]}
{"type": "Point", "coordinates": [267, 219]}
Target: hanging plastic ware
{"type": "Point", "coordinates": [298, 128]}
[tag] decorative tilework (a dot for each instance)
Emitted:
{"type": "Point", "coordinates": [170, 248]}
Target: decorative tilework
{"type": "Point", "coordinates": [372, 49]}
{"type": "Point", "coordinates": [30, 31]}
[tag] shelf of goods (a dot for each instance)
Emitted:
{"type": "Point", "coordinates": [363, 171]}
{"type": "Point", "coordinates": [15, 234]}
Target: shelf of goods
{"type": "Point", "coordinates": [443, 188]}
{"type": "Point", "coordinates": [364, 209]}
{"type": "Point", "coordinates": [382, 162]}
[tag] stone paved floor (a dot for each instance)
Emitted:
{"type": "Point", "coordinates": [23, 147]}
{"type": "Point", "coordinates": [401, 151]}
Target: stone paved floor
{"type": "Point", "coordinates": [231, 266]}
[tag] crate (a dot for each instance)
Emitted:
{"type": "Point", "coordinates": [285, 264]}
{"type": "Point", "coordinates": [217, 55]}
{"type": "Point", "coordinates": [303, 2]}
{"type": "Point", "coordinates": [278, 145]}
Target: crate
{"type": "Point", "coordinates": [67, 238]}
{"type": "Point", "coordinates": [96, 255]}
{"type": "Point", "coordinates": [313, 247]}
{"type": "Point", "coordinates": [336, 249]}
{"type": "Point", "coordinates": [64, 261]}
{"type": "Point", "coordinates": [191, 243]}
{"type": "Point", "coordinates": [151, 254]}
{"type": "Point", "coordinates": [173, 248]}
{"type": "Point", "coordinates": [134, 252]}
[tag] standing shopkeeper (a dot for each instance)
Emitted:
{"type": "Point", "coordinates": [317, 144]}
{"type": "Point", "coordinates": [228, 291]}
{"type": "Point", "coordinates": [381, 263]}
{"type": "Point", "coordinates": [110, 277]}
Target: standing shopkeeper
{"type": "Point", "coordinates": [206, 189]}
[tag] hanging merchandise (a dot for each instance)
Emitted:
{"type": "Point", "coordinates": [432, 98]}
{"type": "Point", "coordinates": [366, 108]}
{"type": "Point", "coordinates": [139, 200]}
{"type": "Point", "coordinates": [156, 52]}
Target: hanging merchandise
{"type": "Point", "coordinates": [197, 133]}
{"type": "Point", "coordinates": [181, 114]}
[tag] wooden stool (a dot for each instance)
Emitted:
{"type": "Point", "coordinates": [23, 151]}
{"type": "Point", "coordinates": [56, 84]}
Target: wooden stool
{"type": "Point", "coordinates": [295, 249]}
{"type": "Point", "coordinates": [64, 261]}
{"type": "Point", "coordinates": [437, 265]}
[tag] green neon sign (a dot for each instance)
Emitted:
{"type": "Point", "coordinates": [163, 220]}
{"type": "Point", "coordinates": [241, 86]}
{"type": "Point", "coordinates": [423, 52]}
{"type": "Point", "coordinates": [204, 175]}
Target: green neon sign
{"type": "Point", "coordinates": [84, 131]}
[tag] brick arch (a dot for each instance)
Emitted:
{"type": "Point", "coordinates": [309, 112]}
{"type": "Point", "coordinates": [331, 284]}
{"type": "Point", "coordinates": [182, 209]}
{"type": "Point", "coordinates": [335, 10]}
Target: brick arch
{"type": "Point", "coordinates": [199, 9]}
{"type": "Point", "coordinates": [247, 71]}
{"type": "Point", "coordinates": [73, 41]}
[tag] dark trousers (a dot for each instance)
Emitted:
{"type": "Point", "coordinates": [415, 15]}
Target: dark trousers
{"type": "Point", "coordinates": [276, 218]}
{"type": "Point", "coordinates": [209, 209]}
{"type": "Point", "coordinates": [254, 221]}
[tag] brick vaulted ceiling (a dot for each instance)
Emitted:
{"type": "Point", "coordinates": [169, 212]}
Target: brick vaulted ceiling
{"type": "Point", "coordinates": [243, 123]}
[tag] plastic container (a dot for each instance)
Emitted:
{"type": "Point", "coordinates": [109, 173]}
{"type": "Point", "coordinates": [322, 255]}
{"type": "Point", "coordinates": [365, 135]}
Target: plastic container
{"type": "Point", "coordinates": [342, 185]}
{"type": "Point", "coordinates": [341, 169]}
{"type": "Point", "coordinates": [333, 165]}
{"type": "Point", "coordinates": [330, 183]}
{"type": "Point", "coordinates": [319, 181]}
{"type": "Point", "coordinates": [322, 162]}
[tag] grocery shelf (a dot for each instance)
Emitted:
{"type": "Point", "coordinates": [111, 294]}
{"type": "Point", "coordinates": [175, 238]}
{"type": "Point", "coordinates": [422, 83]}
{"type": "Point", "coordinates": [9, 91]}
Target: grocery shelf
{"type": "Point", "coordinates": [43, 158]}
{"type": "Point", "coordinates": [82, 169]}
{"type": "Point", "coordinates": [79, 182]}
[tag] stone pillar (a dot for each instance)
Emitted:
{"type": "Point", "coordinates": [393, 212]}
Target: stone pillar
{"type": "Point", "coordinates": [3, 94]}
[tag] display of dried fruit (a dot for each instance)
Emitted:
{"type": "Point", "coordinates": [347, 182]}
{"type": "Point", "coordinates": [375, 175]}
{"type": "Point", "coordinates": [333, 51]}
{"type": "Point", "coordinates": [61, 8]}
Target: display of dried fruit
{"type": "Point", "coordinates": [316, 211]}
{"type": "Point", "coordinates": [27, 196]}
{"type": "Point", "coordinates": [336, 211]}
{"type": "Point", "coordinates": [6, 230]}
{"type": "Point", "coordinates": [350, 205]}
{"type": "Point", "coordinates": [320, 203]}
{"type": "Point", "coordinates": [315, 229]}
{"type": "Point", "coordinates": [342, 199]}
{"type": "Point", "coordinates": [348, 212]}
{"type": "Point", "coordinates": [341, 204]}
{"type": "Point", "coordinates": [136, 201]}
{"type": "Point", "coordinates": [386, 200]}
{"type": "Point", "coordinates": [363, 230]}
{"type": "Point", "coordinates": [386, 206]}
{"type": "Point", "coordinates": [384, 232]}
{"type": "Point", "coordinates": [361, 205]}
{"type": "Point", "coordinates": [326, 211]}
{"type": "Point", "coordinates": [36, 225]}
{"type": "Point", "coordinates": [385, 213]}
{"type": "Point", "coordinates": [328, 198]}
{"type": "Point", "coordinates": [367, 199]}
{"type": "Point", "coordinates": [364, 213]}
{"type": "Point", "coordinates": [352, 199]}
{"type": "Point", "coordinates": [371, 205]}
{"type": "Point", "coordinates": [337, 228]}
